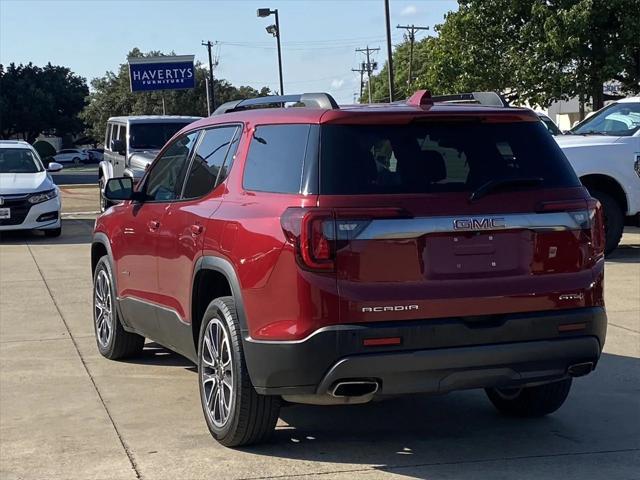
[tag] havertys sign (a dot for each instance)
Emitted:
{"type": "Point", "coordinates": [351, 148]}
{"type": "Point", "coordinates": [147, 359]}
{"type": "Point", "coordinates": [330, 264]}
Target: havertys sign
{"type": "Point", "coordinates": [161, 73]}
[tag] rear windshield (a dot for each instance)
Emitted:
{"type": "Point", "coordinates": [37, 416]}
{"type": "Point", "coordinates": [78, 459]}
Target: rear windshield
{"type": "Point", "coordinates": [152, 135]}
{"type": "Point", "coordinates": [443, 157]}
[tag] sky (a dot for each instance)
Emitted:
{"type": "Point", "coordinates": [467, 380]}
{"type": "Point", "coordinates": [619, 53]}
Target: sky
{"type": "Point", "coordinates": [319, 37]}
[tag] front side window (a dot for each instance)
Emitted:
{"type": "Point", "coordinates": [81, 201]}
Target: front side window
{"type": "Point", "coordinates": [166, 177]}
{"type": "Point", "coordinates": [19, 160]}
{"type": "Point", "coordinates": [107, 140]}
{"type": "Point", "coordinates": [276, 158]}
{"type": "Point", "coordinates": [618, 119]}
{"type": "Point", "coordinates": [426, 158]}
{"type": "Point", "coordinates": [152, 136]}
{"type": "Point", "coordinates": [212, 160]}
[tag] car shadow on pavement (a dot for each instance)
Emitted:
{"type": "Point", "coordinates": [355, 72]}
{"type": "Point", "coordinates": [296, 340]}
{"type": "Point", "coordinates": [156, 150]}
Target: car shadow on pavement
{"type": "Point", "coordinates": [74, 231]}
{"type": "Point", "coordinates": [628, 253]}
{"type": "Point", "coordinates": [155, 354]}
{"type": "Point", "coordinates": [407, 434]}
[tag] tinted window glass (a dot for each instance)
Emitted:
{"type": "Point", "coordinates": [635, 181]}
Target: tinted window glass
{"type": "Point", "coordinates": [211, 162]}
{"type": "Point", "coordinates": [18, 160]}
{"type": "Point", "coordinates": [276, 158]}
{"type": "Point", "coordinates": [107, 140]}
{"type": "Point", "coordinates": [122, 133]}
{"type": "Point", "coordinates": [422, 158]}
{"type": "Point", "coordinates": [152, 135]}
{"type": "Point", "coordinates": [166, 177]}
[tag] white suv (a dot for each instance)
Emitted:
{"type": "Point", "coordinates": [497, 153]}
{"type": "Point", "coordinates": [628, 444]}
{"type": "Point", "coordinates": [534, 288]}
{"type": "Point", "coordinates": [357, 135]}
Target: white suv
{"type": "Point", "coordinates": [604, 150]}
{"type": "Point", "coordinates": [29, 200]}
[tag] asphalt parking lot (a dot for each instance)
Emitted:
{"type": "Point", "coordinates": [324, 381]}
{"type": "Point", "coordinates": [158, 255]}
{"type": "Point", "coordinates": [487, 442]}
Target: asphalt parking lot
{"type": "Point", "coordinates": [67, 413]}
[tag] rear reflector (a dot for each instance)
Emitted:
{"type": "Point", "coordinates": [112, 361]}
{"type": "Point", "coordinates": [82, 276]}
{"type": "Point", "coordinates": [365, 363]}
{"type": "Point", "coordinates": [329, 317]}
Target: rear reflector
{"type": "Point", "coordinates": [572, 327]}
{"type": "Point", "coordinates": [378, 342]}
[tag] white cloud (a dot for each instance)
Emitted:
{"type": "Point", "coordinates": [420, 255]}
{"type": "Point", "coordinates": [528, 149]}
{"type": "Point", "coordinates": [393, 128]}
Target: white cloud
{"type": "Point", "coordinates": [409, 10]}
{"type": "Point", "coordinates": [337, 82]}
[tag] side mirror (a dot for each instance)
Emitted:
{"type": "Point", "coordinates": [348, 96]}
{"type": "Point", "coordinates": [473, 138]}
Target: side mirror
{"type": "Point", "coordinates": [118, 146]}
{"type": "Point", "coordinates": [54, 167]}
{"type": "Point", "coordinates": [119, 189]}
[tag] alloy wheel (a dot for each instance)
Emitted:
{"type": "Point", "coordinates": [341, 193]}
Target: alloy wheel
{"type": "Point", "coordinates": [216, 373]}
{"type": "Point", "coordinates": [103, 307]}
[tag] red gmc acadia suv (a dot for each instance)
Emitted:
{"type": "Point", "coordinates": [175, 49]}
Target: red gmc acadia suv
{"type": "Point", "coordinates": [330, 255]}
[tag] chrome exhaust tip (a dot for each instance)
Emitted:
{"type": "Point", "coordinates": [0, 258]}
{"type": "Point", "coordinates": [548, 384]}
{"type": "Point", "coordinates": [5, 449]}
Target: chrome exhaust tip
{"type": "Point", "coordinates": [354, 389]}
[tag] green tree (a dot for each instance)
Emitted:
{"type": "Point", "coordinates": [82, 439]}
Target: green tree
{"type": "Point", "coordinates": [111, 96]}
{"type": "Point", "coordinates": [35, 99]}
{"type": "Point", "coordinates": [533, 51]}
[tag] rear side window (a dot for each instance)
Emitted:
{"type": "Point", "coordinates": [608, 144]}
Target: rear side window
{"type": "Point", "coordinates": [425, 158]}
{"type": "Point", "coordinates": [276, 158]}
{"type": "Point", "coordinates": [107, 141]}
{"type": "Point", "coordinates": [212, 160]}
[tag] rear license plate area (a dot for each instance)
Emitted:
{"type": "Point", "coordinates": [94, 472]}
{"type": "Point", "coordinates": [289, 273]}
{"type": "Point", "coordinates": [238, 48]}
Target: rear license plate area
{"type": "Point", "coordinates": [477, 254]}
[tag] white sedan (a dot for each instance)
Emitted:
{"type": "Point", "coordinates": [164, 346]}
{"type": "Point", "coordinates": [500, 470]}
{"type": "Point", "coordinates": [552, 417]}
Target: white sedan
{"type": "Point", "coordinates": [74, 155]}
{"type": "Point", "coordinates": [29, 200]}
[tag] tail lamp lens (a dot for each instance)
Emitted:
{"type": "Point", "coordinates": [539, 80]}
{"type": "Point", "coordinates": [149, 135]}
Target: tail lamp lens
{"type": "Point", "coordinates": [311, 230]}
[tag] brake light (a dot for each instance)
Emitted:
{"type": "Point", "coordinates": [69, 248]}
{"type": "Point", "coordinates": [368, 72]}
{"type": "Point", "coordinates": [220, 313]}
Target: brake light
{"type": "Point", "coordinates": [588, 215]}
{"type": "Point", "coordinates": [317, 233]}
{"type": "Point", "coordinates": [311, 231]}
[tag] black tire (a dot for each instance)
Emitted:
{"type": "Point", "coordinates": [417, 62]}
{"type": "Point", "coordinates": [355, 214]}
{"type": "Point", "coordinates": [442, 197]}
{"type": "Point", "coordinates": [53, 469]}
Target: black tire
{"type": "Point", "coordinates": [119, 344]}
{"type": "Point", "coordinates": [252, 417]}
{"type": "Point", "coordinates": [53, 232]}
{"type": "Point", "coordinates": [76, 161]}
{"type": "Point", "coordinates": [530, 401]}
{"type": "Point", "coordinates": [613, 220]}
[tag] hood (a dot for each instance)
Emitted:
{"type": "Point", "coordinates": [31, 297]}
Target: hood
{"type": "Point", "coordinates": [145, 155]}
{"type": "Point", "coordinates": [17, 183]}
{"type": "Point", "coordinates": [572, 141]}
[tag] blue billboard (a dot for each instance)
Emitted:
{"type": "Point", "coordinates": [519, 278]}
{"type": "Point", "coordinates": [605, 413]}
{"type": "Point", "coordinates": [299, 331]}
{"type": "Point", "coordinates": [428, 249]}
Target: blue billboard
{"type": "Point", "coordinates": [161, 73]}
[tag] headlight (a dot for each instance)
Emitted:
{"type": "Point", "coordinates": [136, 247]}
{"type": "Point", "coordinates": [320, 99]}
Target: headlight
{"type": "Point", "coordinates": [43, 196]}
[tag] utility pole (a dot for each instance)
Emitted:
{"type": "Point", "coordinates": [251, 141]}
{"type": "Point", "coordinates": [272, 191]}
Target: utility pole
{"type": "Point", "coordinates": [212, 103]}
{"type": "Point", "coordinates": [361, 71]}
{"type": "Point", "coordinates": [411, 35]}
{"type": "Point", "coordinates": [389, 50]}
{"type": "Point", "coordinates": [369, 65]}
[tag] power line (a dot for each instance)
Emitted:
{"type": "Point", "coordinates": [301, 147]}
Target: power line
{"type": "Point", "coordinates": [411, 35]}
{"type": "Point", "coordinates": [369, 66]}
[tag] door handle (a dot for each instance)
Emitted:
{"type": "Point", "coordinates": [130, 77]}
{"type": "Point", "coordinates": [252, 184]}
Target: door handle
{"type": "Point", "coordinates": [196, 229]}
{"type": "Point", "coordinates": [153, 225]}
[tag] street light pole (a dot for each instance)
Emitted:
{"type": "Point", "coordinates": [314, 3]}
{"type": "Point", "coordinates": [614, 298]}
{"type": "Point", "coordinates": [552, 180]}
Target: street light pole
{"type": "Point", "coordinates": [275, 31]}
{"type": "Point", "coordinates": [279, 52]}
{"type": "Point", "coordinates": [389, 50]}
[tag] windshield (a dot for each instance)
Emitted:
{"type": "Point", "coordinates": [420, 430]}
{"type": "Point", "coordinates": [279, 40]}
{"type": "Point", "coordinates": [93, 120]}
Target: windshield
{"type": "Point", "coordinates": [442, 157]}
{"type": "Point", "coordinates": [152, 136]}
{"type": "Point", "coordinates": [18, 160]}
{"type": "Point", "coordinates": [618, 119]}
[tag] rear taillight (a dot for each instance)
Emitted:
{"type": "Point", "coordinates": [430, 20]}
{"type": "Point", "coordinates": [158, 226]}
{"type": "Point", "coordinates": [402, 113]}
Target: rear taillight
{"type": "Point", "coordinates": [318, 233]}
{"type": "Point", "coordinates": [588, 216]}
{"type": "Point", "coordinates": [310, 230]}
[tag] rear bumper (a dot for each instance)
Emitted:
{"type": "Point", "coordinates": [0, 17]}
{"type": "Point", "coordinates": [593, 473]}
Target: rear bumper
{"type": "Point", "coordinates": [435, 356]}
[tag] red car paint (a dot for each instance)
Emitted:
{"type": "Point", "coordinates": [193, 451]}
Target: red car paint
{"type": "Point", "coordinates": [156, 246]}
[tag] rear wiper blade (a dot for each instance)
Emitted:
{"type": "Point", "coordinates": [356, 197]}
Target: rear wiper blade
{"type": "Point", "coordinates": [498, 183]}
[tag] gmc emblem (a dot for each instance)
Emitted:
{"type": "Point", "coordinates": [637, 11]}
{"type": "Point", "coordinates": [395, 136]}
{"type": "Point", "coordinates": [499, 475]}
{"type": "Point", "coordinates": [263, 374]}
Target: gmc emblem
{"type": "Point", "coordinates": [478, 223]}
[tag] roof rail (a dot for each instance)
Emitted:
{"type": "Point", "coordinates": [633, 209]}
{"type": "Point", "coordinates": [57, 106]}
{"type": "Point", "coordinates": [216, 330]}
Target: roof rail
{"type": "Point", "coordinates": [309, 100]}
{"type": "Point", "coordinates": [492, 99]}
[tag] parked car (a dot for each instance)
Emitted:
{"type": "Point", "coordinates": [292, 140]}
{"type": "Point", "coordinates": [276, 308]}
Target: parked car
{"type": "Point", "coordinates": [550, 124]}
{"type": "Point", "coordinates": [331, 255]}
{"type": "Point", "coordinates": [29, 200]}
{"type": "Point", "coordinates": [131, 144]}
{"type": "Point", "coordinates": [604, 150]}
{"type": "Point", "coordinates": [69, 155]}
{"type": "Point", "coordinates": [96, 155]}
